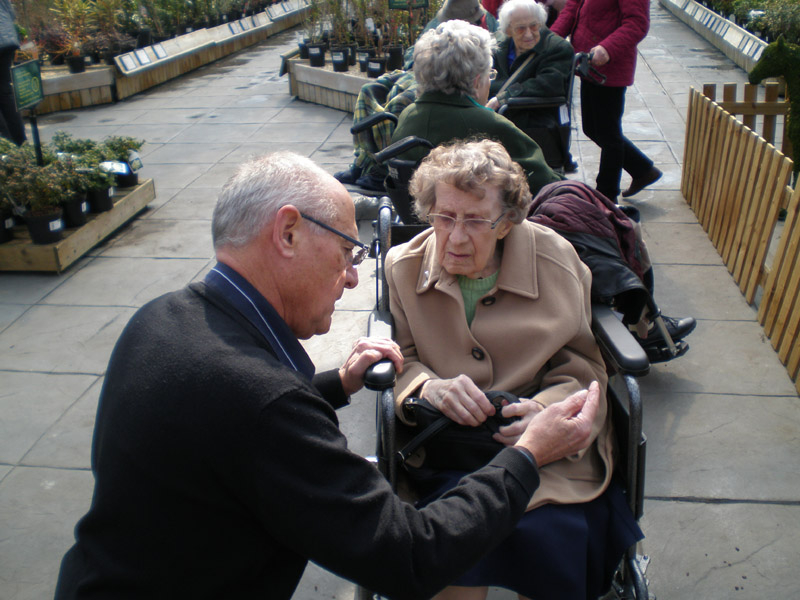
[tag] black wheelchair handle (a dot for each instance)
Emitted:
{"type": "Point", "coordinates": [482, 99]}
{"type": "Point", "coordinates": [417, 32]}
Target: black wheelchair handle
{"type": "Point", "coordinates": [380, 376]}
{"type": "Point", "coordinates": [373, 120]}
{"type": "Point", "coordinates": [401, 146]}
{"type": "Point", "coordinates": [532, 102]}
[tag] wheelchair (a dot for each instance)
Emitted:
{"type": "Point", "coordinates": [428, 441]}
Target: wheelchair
{"type": "Point", "coordinates": [625, 362]}
{"type": "Point", "coordinates": [553, 133]}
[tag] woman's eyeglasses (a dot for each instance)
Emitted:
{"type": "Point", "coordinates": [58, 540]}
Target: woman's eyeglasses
{"type": "Point", "coordinates": [492, 74]}
{"type": "Point", "coordinates": [471, 225]}
{"type": "Point", "coordinates": [354, 259]}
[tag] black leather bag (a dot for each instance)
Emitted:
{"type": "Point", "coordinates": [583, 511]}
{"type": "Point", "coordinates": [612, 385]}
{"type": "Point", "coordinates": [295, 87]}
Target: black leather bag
{"type": "Point", "coordinates": [448, 445]}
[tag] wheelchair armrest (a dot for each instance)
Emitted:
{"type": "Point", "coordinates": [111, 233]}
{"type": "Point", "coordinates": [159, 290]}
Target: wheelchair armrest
{"type": "Point", "coordinates": [372, 120]}
{"type": "Point", "coordinates": [401, 146]}
{"type": "Point", "coordinates": [381, 375]}
{"type": "Point", "coordinates": [618, 345]}
{"type": "Point", "coordinates": [531, 102]}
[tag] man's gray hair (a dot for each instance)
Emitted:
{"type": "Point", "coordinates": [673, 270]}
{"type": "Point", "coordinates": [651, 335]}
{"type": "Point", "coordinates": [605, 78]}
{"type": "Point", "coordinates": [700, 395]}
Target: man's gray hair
{"type": "Point", "coordinates": [260, 187]}
{"type": "Point", "coordinates": [516, 7]}
{"type": "Point", "coordinates": [449, 58]}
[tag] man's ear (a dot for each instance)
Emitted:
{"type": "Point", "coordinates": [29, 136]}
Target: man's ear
{"type": "Point", "coordinates": [285, 230]}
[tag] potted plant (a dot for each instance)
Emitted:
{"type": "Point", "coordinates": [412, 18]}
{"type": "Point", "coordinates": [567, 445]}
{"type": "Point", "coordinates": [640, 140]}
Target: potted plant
{"type": "Point", "coordinates": [340, 34]}
{"type": "Point", "coordinates": [122, 149]}
{"type": "Point", "coordinates": [76, 18]}
{"type": "Point", "coordinates": [313, 31]}
{"type": "Point", "coordinates": [7, 221]}
{"type": "Point", "coordinates": [74, 184]}
{"type": "Point", "coordinates": [364, 38]}
{"type": "Point", "coordinates": [98, 182]}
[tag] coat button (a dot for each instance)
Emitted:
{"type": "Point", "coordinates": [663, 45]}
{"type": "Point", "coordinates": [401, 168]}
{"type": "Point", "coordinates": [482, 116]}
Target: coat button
{"type": "Point", "coordinates": [477, 353]}
{"type": "Point", "coordinates": [489, 301]}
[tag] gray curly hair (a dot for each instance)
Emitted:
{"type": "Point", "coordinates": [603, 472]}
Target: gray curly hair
{"type": "Point", "coordinates": [449, 58]}
{"type": "Point", "coordinates": [470, 166]}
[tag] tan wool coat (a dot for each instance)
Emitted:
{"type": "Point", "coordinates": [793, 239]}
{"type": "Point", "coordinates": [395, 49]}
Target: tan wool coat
{"type": "Point", "coordinates": [531, 336]}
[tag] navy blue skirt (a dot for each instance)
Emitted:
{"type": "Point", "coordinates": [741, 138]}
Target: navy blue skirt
{"type": "Point", "coordinates": [557, 551]}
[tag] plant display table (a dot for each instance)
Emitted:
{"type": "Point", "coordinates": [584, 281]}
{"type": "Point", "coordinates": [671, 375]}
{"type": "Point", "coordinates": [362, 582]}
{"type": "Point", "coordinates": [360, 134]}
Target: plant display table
{"type": "Point", "coordinates": [20, 254]}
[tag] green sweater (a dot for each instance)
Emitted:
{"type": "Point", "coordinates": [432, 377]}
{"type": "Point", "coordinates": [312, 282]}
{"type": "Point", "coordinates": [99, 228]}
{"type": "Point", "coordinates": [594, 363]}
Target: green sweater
{"type": "Point", "coordinates": [440, 118]}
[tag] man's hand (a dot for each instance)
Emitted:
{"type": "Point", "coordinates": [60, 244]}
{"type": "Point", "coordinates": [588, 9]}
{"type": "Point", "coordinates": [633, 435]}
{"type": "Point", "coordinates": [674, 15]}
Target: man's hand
{"type": "Point", "coordinates": [459, 399]}
{"type": "Point", "coordinates": [367, 351]}
{"type": "Point", "coordinates": [563, 428]}
{"type": "Point", "coordinates": [599, 56]}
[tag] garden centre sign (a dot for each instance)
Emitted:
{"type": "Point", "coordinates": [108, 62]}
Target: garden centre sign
{"type": "Point", "coordinates": [27, 79]}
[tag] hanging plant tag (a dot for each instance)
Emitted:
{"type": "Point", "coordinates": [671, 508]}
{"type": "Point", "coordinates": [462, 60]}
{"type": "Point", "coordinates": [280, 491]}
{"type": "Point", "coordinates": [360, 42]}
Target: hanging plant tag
{"type": "Point", "coordinates": [115, 167]}
{"type": "Point", "coordinates": [134, 160]}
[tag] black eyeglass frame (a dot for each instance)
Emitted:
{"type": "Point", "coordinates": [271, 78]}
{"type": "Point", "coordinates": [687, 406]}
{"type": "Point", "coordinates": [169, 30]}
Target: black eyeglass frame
{"type": "Point", "coordinates": [359, 256]}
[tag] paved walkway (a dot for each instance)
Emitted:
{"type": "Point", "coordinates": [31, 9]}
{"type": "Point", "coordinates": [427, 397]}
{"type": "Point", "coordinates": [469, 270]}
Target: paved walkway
{"type": "Point", "coordinates": [722, 517]}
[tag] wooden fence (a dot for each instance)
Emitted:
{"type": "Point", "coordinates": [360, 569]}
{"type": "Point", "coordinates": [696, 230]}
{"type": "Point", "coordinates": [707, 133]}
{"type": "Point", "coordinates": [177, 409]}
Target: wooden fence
{"type": "Point", "coordinates": [736, 182]}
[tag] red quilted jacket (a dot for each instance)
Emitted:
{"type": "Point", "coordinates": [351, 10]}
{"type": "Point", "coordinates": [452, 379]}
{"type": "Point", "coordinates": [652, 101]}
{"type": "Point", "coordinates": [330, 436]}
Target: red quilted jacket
{"type": "Point", "coordinates": [616, 25]}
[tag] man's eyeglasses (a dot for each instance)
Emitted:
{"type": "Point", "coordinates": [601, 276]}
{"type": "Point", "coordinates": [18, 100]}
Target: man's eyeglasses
{"type": "Point", "coordinates": [354, 259]}
{"type": "Point", "coordinates": [472, 226]}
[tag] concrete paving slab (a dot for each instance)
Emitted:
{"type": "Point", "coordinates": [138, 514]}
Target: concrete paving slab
{"type": "Point", "coordinates": [38, 511]}
{"type": "Point", "coordinates": [173, 175]}
{"type": "Point", "coordinates": [62, 339]}
{"type": "Point", "coordinates": [661, 206]}
{"type": "Point", "coordinates": [195, 100]}
{"type": "Point", "coordinates": [263, 101]}
{"type": "Point", "coordinates": [67, 443]}
{"type": "Point", "coordinates": [156, 133]}
{"type": "Point", "coordinates": [215, 177]}
{"type": "Point", "coordinates": [216, 132]}
{"type": "Point", "coordinates": [246, 151]}
{"type": "Point", "coordinates": [10, 313]}
{"type": "Point", "coordinates": [718, 552]}
{"type": "Point", "coordinates": [703, 291]}
{"type": "Point", "coordinates": [30, 404]}
{"type": "Point", "coordinates": [132, 282]}
{"type": "Point", "coordinates": [679, 243]}
{"type": "Point", "coordinates": [189, 203]}
{"type": "Point", "coordinates": [722, 446]}
{"type": "Point", "coordinates": [204, 153]}
{"type": "Point", "coordinates": [724, 357]}
{"type": "Point", "coordinates": [291, 133]}
{"type": "Point", "coordinates": [172, 116]}
{"type": "Point", "coordinates": [156, 238]}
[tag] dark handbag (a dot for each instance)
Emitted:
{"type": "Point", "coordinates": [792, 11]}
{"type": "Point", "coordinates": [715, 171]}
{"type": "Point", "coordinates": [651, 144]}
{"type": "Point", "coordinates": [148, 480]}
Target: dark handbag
{"type": "Point", "coordinates": [448, 445]}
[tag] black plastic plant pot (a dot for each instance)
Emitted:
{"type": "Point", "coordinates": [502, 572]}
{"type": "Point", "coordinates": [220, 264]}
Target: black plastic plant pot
{"type": "Point", "coordinates": [363, 55]}
{"type": "Point", "coordinates": [75, 211]}
{"type": "Point", "coordinates": [303, 48]}
{"type": "Point", "coordinates": [100, 200]}
{"type": "Point", "coordinates": [376, 66]}
{"type": "Point", "coordinates": [45, 229]}
{"type": "Point", "coordinates": [340, 59]}
{"type": "Point", "coordinates": [127, 180]}
{"type": "Point", "coordinates": [76, 64]}
{"type": "Point", "coordinates": [351, 54]}
{"type": "Point", "coordinates": [394, 58]}
{"type": "Point", "coordinates": [7, 223]}
{"type": "Point", "coordinates": [316, 55]}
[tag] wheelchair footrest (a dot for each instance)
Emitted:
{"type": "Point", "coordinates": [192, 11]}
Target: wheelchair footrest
{"type": "Point", "coordinates": [658, 354]}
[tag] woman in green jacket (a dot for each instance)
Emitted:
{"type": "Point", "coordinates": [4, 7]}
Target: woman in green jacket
{"type": "Point", "coordinates": [452, 66]}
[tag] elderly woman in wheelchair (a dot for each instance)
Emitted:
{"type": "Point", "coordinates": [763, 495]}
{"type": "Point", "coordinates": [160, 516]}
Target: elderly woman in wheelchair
{"type": "Point", "coordinates": [486, 300]}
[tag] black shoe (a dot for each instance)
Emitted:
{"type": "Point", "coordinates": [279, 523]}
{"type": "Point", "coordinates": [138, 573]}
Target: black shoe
{"type": "Point", "coordinates": [571, 166]}
{"type": "Point", "coordinates": [677, 329]}
{"type": "Point", "coordinates": [350, 176]}
{"type": "Point", "coordinates": [373, 183]}
{"type": "Point", "coordinates": [639, 183]}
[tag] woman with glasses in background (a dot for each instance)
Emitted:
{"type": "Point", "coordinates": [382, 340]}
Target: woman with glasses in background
{"type": "Point", "coordinates": [486, 300]}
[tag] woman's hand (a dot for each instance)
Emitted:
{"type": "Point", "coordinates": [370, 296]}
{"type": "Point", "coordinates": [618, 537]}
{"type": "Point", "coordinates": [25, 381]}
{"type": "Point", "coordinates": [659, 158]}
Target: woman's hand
{"type": "Point", "coordinates": [493, 103]}
{"type": "Point", "coordinates": [459, 399]}
{"type": "Point", "coordinates": [599, 56]}
{"type": "Point", "coordinates": [524, 409]}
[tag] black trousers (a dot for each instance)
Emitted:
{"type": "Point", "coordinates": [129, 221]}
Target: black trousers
{"type": "Point", "coordinates": [11, 125]}
{"type": "Point", "coordinates": [601, 110]}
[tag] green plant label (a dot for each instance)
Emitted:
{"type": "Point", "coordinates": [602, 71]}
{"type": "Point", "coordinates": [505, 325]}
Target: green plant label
{"type": "Point", "coordinates": [27, 80]}
{"type": "Point", "coordinates": [407, 4]}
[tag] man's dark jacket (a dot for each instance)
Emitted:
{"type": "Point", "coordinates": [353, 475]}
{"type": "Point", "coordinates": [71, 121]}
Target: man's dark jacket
{"type": "Point", "coordinates": [219, 472]}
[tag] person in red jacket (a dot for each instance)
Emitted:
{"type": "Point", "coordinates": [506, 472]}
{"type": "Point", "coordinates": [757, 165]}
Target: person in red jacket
{"type": "Point", "coordinates": [610, 30]}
